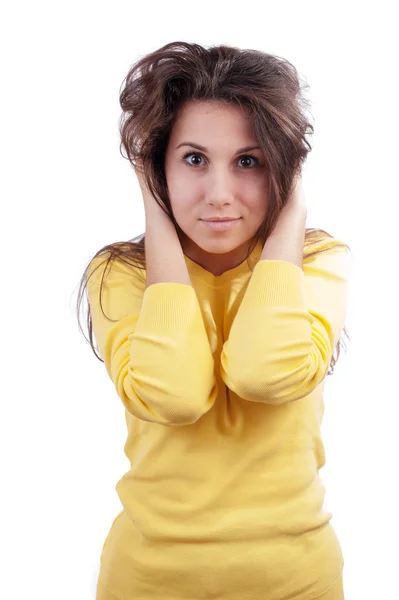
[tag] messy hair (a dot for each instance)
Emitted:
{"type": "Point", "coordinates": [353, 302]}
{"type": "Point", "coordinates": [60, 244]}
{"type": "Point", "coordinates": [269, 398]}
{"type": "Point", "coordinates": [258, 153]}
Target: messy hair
{"type": "Point", "coordinates": [270, 91]}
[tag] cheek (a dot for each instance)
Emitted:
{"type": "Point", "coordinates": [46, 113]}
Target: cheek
{"type": "Point", "coordinates": [180, 192]}
{"type": "Point", "coordinates": [258, 206]}
{"type": "Point", "coordinates": [183, 197]}
{"type": "Point", "coordinates": [182, 206]}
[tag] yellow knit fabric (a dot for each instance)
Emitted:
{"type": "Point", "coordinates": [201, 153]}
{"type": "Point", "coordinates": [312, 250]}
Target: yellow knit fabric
{"type": "Point", "coordinates": [222, 384]}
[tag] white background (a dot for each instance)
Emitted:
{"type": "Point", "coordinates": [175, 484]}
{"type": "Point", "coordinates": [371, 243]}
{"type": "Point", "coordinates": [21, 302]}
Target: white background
{"type": "Point", "coordinates": [67, 191]}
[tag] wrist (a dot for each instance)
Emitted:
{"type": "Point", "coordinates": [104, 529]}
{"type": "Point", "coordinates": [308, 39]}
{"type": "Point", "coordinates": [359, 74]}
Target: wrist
{"type": "Point", "coordinates": [155, 216]}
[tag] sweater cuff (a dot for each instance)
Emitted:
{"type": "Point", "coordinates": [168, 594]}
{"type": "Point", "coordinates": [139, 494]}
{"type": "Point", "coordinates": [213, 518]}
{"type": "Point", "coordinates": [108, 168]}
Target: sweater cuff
{"type": "Point", "coordinates": [275, 283]}
{"type": "Point", "coordinates": [168, 305]}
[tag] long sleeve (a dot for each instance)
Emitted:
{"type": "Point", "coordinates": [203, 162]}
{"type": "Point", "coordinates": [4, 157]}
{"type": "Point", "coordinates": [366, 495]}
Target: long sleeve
{"type": "Point", "coordinates": [156, 350]}
{"type": "Point", "coordinates": [287, 326]}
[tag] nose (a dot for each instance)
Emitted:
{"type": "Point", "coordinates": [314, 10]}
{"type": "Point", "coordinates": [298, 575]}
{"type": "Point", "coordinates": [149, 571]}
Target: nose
{"type": "Point", "coordinates": [219, 190]}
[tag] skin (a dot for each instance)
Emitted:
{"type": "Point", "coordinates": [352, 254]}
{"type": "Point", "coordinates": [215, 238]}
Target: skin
{"type": "Point", "coordinates": [219, 182]}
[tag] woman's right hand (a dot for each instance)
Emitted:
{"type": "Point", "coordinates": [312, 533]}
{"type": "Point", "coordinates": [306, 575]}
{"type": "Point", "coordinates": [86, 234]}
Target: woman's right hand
{"type": "Point", "coordinates": [138, 169]}
{"type": "Point", "coordinates": [150, 204]}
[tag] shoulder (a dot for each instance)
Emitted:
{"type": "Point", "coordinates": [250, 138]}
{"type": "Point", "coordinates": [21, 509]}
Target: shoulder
{"type": "Point", "coordinates": [107, 267]}
{"type": "Point", "coordinates": [328, 257]}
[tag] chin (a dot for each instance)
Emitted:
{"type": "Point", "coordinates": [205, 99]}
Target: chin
{"type": "Point", "coordinates": [213, 243]}
{"type": "Point", "coordinates": [219, 246]}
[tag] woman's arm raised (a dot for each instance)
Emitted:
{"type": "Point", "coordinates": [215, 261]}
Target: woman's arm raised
{"type": "Point", "coordinates": [155, 348]}
{"type": "Point", "coordinates": [287, 239]}
{"type": "Point", "coordinates": [281, 341]}
{"type": "Point", "coordinates": [163, 252]}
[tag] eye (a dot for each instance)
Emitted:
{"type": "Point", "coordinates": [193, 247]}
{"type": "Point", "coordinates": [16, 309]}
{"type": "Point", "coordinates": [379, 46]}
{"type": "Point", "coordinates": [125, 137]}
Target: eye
{"type": "Point", "coordinates": [244, 156]}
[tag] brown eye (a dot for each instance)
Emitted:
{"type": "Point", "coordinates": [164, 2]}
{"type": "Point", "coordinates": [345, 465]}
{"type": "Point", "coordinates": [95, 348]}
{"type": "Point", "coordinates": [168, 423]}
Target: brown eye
{"type": "Point", "coordinates": [190, 164]}
{"type": "Point", "coordinates": [249, 157]}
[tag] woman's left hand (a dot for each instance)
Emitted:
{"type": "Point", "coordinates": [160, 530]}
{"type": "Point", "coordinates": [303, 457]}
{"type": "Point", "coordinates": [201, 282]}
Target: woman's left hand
{"type": "Point", "coordinates": [297, 196]}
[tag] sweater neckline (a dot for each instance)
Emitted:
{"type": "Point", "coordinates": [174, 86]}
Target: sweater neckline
{"type": "Point", "coordinates": [227, 276]}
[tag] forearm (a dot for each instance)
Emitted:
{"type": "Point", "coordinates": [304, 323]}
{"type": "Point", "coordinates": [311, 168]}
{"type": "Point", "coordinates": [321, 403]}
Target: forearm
{"type": "Point", "coordinates": [164, 255]}
{"type": "Point", "coordinates": [268, 355]}
{"type": "Point", "coordinates": [287, 239]}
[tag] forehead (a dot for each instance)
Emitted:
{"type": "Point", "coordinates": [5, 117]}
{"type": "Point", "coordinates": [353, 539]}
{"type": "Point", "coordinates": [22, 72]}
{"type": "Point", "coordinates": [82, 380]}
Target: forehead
{"type": "Point", "coordinates": [200, 121]}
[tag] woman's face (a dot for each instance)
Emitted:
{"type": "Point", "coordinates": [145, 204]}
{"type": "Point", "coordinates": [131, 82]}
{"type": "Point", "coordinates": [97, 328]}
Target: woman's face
{"type": "Point", "coordinates": [223, 179]}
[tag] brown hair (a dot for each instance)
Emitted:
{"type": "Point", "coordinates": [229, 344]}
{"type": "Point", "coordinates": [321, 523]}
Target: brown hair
{"type": "Point", "coordinates": [267, 87]}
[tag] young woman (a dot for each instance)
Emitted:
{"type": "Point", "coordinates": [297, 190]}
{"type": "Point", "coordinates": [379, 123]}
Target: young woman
{"type": "Point", "coordinates": [219, 328]}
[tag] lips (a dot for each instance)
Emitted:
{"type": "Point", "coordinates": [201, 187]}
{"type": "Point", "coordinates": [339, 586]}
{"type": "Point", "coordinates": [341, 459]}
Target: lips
{"type": "Point", "coordinates": [220, 225]}
{"type": "Point", "coordinates": [221, 220]}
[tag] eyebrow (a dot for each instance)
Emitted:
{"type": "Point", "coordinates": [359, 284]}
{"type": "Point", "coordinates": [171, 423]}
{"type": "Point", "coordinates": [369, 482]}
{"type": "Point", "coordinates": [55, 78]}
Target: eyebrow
{"type": "Point", "coordinates": [245, 149]}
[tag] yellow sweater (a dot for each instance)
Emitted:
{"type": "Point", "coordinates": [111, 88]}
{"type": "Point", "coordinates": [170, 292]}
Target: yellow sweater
{"type": "Point", "coordinates": [222, 384]}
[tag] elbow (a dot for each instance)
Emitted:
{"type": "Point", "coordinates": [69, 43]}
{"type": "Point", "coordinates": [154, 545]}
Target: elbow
{"type": "Point", "coordinates": [280, 374]}
{"type": "Point", "coordinates": [179, 415]}
{"type": "Point", "coordinates": [278, 387]}
{"type": "Point", "coordinates": [258, 390]}
{"type": "Point", "coordinates": [164, 405]}
{"type": "Point", "coordinates": [178, 411]}
{"type": "Point", "coordinates": [263, 392]}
